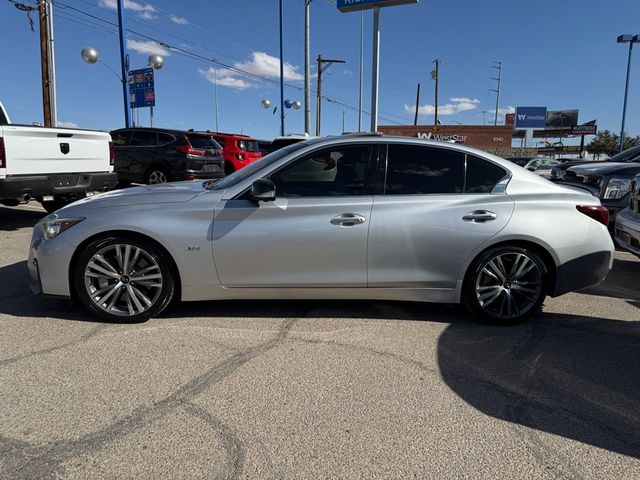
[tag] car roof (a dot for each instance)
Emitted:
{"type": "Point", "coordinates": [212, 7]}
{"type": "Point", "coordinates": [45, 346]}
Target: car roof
{"type": "Point", "coordinates": [221, 134]}
{"type": "Point", "coordinates": [158, 130]}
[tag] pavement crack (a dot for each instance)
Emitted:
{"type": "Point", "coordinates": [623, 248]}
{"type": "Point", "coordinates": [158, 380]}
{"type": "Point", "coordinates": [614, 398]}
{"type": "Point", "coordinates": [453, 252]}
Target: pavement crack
{"type": "Point", "coordinates": [234, 447]}
{"type": "Point", "coordinates": [78, 341]}
{"type": "Point", "coordinates": [47, 459]}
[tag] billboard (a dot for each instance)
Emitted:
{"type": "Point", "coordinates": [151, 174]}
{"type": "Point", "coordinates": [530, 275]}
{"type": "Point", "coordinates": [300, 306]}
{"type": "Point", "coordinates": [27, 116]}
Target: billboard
{"type": "Point", "coordinates": [354, 5]}
{"type": "Point", "coordinates": [562, 119]}
{"type": "Point", "coordinates": [141, 88]}
{"type": "Point", "coordinates": [531, 117]}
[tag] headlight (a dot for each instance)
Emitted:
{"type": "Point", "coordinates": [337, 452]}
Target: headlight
{"type": "Point", "coordinates": [53, 228]}
{"type": "Point", "coordinates": [617, 188]}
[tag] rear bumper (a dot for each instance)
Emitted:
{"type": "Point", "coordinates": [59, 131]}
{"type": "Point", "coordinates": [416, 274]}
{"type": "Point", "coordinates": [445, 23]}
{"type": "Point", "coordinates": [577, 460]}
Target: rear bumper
{"type": "Point", "coordinates": [14, 187]}
{"type": "Point", "coordinates": [627, 231]}
{"type": "Point", "coordinates": [583, 272]}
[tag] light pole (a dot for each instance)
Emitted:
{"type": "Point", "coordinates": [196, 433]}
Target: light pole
{"type": "Point", "coordinates": [307, 71]}
{"type": "Point", "coordinates": [630, 39]}
{"type": "Point", "coordinates": [281, 77]}
{"type": "Point", "coordinates": [91, 56]}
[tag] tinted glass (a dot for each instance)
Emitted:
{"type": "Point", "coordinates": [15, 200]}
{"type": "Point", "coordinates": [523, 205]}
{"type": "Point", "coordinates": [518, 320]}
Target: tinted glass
{"type": "Point", "coordinates": [627, 155]}
{"type": "Point", "coordinates": [254, 167]}
{"type": "Point", "coordinates": [418, 170]}
{"type": "Point", "coordinates": [482, 176]}
{"type": "Point", "coordinates": [164, 138]}
{"type": "Point", "coordinates": [202, 142]}
{"type": "Point", "coordinates": [144, 139]}
{"type": "Point", "coordinates": [119, 138]}
{"type": "Point", "coordinates": [337, 171]}
{"type": "Point", "coordinates": [220, 140]}
{"type": "Point", "coordinates": [248, 145]}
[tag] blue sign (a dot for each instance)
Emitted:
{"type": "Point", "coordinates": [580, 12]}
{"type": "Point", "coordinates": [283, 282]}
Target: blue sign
{"type": "Point", "coordinates": [141, 88]}
{"type": "Point", "coordinates": [531, 117]}
{"type": "Point", "coordinates": [354, 5]}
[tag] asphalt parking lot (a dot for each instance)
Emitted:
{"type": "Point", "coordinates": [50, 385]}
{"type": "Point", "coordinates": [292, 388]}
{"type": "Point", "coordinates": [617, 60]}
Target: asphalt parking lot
{"type": "Point", "coordinates": [276, 389]}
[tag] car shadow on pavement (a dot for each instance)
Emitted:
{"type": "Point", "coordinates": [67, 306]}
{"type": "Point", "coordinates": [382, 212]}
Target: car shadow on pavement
{"type": "Point", "coordinates": [15, 219]}
{"type": "Point", "coordinates": [567, 375]}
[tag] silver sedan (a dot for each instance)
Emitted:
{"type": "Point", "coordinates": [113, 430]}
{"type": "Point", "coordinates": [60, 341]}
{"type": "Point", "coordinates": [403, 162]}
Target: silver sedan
{"type": "Point", "coordinates": [354, 217]}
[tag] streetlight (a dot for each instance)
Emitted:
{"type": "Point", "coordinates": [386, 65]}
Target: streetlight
{"type": "Point", "coordinates": [630, 39]}
{"type": "Point", "coordinates": [91, 56]}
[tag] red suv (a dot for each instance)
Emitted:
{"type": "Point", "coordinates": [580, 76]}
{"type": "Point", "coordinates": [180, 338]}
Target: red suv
{"type": "Point", "coordinates": [238, 150]}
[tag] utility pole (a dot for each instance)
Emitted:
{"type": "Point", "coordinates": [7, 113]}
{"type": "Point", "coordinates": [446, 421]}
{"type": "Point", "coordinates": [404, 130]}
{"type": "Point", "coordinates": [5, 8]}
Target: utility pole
{"type": "Point", "coordinates": [484, 117]}
{"type": "Point", "coordinates": [281, 76]}
{"type": "Point", "coordinates": [375, 69]}
{"type": "Point", "coordinates": [124, 63]}
{"type": "Point", "coordinates": [361, 71]}
{"type": "Point", "coordinates": [44, 63]}
{"type": "Point", "coordinates": [307, 72]}
{"type": "Point", "coordinates": [435, 74]}
{"type": "Point", "coordinates": [415, 119]}
{"type": "Point", "coordinates": [215, 91]}
{"type": "Point", "coordinates": [52, 67]}
{"type": "Point", "coordinates": [323, 64]}
{"type": "Point", "coordinates": [497, 66]}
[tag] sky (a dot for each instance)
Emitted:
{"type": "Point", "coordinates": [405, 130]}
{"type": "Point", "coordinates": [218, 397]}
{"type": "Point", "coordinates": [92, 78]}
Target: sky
{"type": "Point", "coordinates": [559, 54]}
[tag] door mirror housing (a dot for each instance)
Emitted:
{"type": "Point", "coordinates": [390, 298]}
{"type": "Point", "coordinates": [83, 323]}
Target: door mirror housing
{"type": "Point", "coordinates": [263, 190]}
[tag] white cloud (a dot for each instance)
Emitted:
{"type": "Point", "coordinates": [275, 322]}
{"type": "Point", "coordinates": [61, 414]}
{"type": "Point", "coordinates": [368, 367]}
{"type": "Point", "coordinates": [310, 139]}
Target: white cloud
{"type": "Point", "coordinates": [179, 20]}
{"type": "Point", "coordinates": [145, 11]}
{"type": "Point", "coordinates": [225, 78]}
{"type": "Point", "coordinates": [147, 48]}
{"type": "Point", "coordinates": [260, 64]}
{"type": "Point", "coordinates": [67, 125]}
{"type": "Point", "coordinates": [457, 105]}
{"type": "Point", "coordinates": [264, 64]}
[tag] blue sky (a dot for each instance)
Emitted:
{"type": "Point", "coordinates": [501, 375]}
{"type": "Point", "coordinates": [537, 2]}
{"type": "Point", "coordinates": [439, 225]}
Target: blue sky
{"type": "Point", "coordinates": [559, 54]}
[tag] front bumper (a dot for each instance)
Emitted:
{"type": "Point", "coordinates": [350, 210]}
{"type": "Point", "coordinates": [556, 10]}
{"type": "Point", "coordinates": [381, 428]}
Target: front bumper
{"type": "Point", "coordinates": [16, 186]}
{"type": "Point", "coordinates": [48, 264]}
{"type": "Point", "coordinates": [627, 231]}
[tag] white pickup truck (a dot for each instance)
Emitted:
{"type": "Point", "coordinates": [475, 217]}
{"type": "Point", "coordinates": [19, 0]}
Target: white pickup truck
{"type": "Point", "coordinates": [54, 166]}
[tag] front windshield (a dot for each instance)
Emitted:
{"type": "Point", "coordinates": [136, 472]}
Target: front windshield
{"type": "Point", "coordinates": [244, 173]}
{"type": "Point", "coordinates": [628, 155]}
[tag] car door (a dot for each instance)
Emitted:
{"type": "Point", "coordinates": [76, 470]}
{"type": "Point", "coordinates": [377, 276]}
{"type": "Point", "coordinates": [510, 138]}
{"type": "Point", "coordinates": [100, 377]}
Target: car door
{"type": "Point", "coordinates": [434, 208]}
{"type": "Point", "coordinates": [313, 235]}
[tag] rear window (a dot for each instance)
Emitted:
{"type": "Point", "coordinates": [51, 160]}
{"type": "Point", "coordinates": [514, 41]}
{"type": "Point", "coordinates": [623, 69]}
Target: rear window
{"type": "Point", "coordinates": [202, 142]}
{"type": "Point", "coordinates": [119, 138]}
{"type": "Point", "coordinates": [248, 145]}
{"type": "Point", "coordinates": [220, 140]}
{"type": "Point", "coordinates": [164, 138]}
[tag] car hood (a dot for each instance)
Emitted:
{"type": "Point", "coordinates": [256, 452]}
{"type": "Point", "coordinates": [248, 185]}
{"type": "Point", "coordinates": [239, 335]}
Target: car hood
{"type": "Point", "coordinates": [144, 195]}
{"type": "Point", "coordinates": [607, 168]}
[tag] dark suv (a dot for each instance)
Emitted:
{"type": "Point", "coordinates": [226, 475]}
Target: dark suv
{"type": "Point", "coordinates": [154, 155]}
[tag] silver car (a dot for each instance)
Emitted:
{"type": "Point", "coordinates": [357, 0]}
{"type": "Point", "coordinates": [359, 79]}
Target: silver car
{"type": "Point", "coordinates": [353, 217]}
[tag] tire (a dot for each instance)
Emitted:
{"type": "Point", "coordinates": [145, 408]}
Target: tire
{"type": "Point", "coordinates": [156, 175]}
{"type": "Point", "coordinates": [505, 285]}
{"type": "Point", "coordinates": [131, 295]}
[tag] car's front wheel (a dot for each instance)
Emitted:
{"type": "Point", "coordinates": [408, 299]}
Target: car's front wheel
{"type": "Point", "coordinates": [505, 285]}
{"type": "Point", "coordinates": [123, 279]}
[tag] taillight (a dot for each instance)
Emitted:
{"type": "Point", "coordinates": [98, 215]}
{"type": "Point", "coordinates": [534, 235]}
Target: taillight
{"type": "Point", "coordinates": [187, 148]}
{"type": "Point", "coordinates": [240, 156]}
{"type": "Point", "coordinates": [597, 212]}
{"type": "Point", "coordinates": [3, 154]}
{"type": "Point", "coordinates": [112, 154]}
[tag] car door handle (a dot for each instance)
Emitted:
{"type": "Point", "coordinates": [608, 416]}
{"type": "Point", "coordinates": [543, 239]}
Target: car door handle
{"type": "Point", "coordinates": [348, 219]}
{"type": "Point", "coordinates": [479, 216]}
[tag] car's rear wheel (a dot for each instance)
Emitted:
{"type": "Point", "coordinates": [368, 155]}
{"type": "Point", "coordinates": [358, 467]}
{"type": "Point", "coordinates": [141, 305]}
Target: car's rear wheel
{"type": "Point", "coordinates": [124, 279]}
{"type": "Point", "coordinates": [156, 175]}
{"type": "Point", "coordinates": [505, 285]}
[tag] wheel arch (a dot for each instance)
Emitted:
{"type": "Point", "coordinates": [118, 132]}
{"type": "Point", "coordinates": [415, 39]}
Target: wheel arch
{"type": "Point", "coordinates": [123, 233]}
{"type": "Point", "coordinates": [540, 250]}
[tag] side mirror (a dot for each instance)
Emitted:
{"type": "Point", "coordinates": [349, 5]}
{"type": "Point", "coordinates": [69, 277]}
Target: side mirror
{"type": "Point", "coordinates": [263, 190]}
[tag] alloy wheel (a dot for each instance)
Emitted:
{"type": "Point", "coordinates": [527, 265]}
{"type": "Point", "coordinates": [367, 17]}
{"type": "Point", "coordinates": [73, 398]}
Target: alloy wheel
{"type": "Point", "coordinates": [509, 285]}
{"type": "Point", "coordinates": [123, 280]}
{"type": "Point", "coordinates": [157, 176]}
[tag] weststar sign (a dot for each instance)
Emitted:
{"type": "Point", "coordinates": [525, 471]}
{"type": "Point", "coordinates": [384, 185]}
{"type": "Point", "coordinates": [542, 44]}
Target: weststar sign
{"type": "Point", "coordinates": [354, 5]}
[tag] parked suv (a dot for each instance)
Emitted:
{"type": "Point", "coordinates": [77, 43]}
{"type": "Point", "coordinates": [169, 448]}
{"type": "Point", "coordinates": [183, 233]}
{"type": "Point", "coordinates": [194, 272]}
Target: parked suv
{"type": "Point", "coordinates": [238, 150]}
{"type": "Point", "coordinates": [627, 231]}
{"type": "Point", "coordinates": [154, 155]}
{"type": "Point", "coordinates": [626, 156]}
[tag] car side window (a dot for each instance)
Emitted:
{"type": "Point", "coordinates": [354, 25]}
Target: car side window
{"type": "Point", "coordinates": [422, 170]}
{"type": "Point", "coordinates": [337, 171]}
{"type": "Point", "coordinates": [144, 139]}
{"type": "Point", "coordinates": [165, 138]}
{"type": "Point", "coordinates": [120, 138]}
{"type": "Point", "coordinates": [481, 176]}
